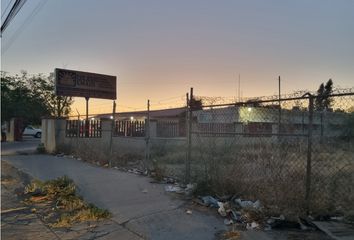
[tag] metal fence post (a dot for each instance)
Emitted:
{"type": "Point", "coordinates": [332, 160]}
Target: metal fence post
{"type": "Point", "coordinates": [279, 116]}
{"type": "Point", "coordinates": [112, 130]}
{"type": "Point", "coordinates": [87, 122]}
{"type": "Point", "coordinates": [189, 138]}
{"type": "Point", "coordinates": [309, 155]}
{"type": "Point", "coordinates": [147, 138]}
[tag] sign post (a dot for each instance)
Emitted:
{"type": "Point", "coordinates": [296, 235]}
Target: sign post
{"type": "Point", "coordinates": [85, 84]}
{"type": "Point", "coordinates": [87, 122]}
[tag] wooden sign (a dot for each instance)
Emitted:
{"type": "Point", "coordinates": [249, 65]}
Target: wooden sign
{"type": "Point", "coordinates": [85, 84]}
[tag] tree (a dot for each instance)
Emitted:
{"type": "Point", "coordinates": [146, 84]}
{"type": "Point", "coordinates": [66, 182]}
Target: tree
{"type": "Point", "coordinates": [31, 97]}
{"type": "Point", "coordinates": [59, 105]}
{"type": "Point", "coordinates": [323, 101]}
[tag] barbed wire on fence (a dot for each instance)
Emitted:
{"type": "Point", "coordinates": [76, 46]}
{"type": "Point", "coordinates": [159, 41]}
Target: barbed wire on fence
{"type": "Point", "coordinates": [270, 101]}
{"type": "Point", "coordinates": [301, 161]}
{"type": "Point", "coordinates": [288, 159]}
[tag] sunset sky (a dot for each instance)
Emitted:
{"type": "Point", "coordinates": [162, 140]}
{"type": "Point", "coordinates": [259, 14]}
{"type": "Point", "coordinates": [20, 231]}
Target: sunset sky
{"type": "Point", "coordinates": [158, 49]}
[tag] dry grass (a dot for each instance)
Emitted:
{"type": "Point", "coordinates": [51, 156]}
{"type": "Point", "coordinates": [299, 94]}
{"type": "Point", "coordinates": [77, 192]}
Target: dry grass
{"type": "Point", "coordinates": [68, 206]}
{"type": "Point", "coordinates": [275, 173]}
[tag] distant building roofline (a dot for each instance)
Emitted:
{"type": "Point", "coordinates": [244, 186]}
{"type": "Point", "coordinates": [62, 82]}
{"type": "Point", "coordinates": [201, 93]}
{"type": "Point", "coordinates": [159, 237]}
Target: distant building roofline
{"type": "Point", "coordinates": [170, 112]}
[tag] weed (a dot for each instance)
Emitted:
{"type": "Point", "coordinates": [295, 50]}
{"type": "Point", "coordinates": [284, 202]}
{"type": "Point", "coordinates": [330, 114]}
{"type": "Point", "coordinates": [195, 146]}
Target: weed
{"type": "Point", "coordinates": [34, 188]}
{"type": "Point", "coordinates": [159, 172]}
{"type": "Point", "coordinates": [70, 207]}
{"type": "Point", "coordinates": [88, 212]}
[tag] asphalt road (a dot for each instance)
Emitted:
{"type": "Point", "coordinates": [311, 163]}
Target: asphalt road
{"type": "Point", "coordinates": [28, 145]}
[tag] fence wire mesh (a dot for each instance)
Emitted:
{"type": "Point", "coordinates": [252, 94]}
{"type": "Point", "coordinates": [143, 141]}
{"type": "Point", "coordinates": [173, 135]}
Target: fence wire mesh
{"type": "Point", "coordinates": [296, 155]}
{"type": "Point", "coordinates": [332, 176]}
{"type": "Point", "coordinates": [167, 146]}
{"type": "Point", "coordinates": [283, 153]}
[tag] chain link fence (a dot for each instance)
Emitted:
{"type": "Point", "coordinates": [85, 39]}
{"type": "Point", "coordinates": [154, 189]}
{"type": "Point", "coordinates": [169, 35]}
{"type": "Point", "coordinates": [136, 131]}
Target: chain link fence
{"type": "Point", "coordinates": [292, 154]}
{"type": "Point", "coordinates": [166, 145]}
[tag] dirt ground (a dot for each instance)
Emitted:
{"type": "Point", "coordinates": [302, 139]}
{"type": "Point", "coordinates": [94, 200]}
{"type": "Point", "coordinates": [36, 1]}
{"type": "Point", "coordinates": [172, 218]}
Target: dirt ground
{"type": "Point", "coordinates": [21, 221]}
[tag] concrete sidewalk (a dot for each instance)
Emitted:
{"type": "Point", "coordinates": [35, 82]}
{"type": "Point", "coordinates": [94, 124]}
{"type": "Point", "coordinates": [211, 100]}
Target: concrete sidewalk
{"type": "Point", "coordinates": [136, 204]}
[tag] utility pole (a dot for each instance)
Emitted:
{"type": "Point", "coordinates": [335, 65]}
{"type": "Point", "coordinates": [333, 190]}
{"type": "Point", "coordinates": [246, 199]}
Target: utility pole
{"type": "Point", "coordinates": [189, 151]}
{"type": "Point", "coordinates": [309, 155]}
{"type": "Point", "coordinates": [187, 111]}
{"type": "Point", "coordinates": [78, 125]}
{"type": "Point", "coordinates": [112, 130]}
{"type": "Point", "coordinates": [239, 87]}
{"type": "Point", "coordinates": [279, 119]}
{"type": "Point", "coordinates": [147, 138]}
{"type": "Point", "coordinates": [87, 130]}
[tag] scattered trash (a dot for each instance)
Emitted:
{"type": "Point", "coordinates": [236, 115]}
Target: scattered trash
{"type": "Point", "coordinates": [252, 225]}
{"type": "Point", "coordinates": [337, 218]}
{"type": "Point", "coordinates": [33, 210]}
{"type": "Point", "coordinates": [224, 198]}
{"type": "Point", "coordinates": [302, 226]}
{"type": "Point", "coordinates": [176, 189]}
{"type": "Point", "coordinates": [250, 214]}
{"type": "Point", "coordinates": [210, 201]}
{"type": "Point", "coordinates": [189, 211]}
{"type": "Point", "coordinates": [267, 227]}
{"type": "Point", "coordinates": [145, 191]}
{"type": "Point", "coordinates": [281, 217]}
{"type": "Point", "coordinates": [248, 204]}
{"type": "Point", "coordinates": [270, 221]}
{"type": "Point", "coordinates": [221, 209]}
{"type": "Point", "coordinates": [236, 215]}
{"type": "Point", "coordinates": [274, 222]}
{"type": "Point", "coordinates": [135, 171]}
{"type": "Point", "coordinates": [169, 180]}
{"type": "Point", "coordinates": [190, 187]}
{"type": "Point", "coordinates": [228, 221]}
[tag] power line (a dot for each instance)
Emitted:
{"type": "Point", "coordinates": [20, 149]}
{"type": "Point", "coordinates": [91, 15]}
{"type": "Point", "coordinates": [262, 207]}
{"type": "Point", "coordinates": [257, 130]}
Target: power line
{"type": "Point", "coordinates": [27, 21]}
{"type": "Point", "coordinates": [3, 13]}
{"type": "Point", "coordinates": [13, 12]}
{"type": "Point", "coordinates": [109, 104]}
{"type": "Point", "coordinates": [170, 99]}
{"type": "Point", "coordinates": [176, 97]}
